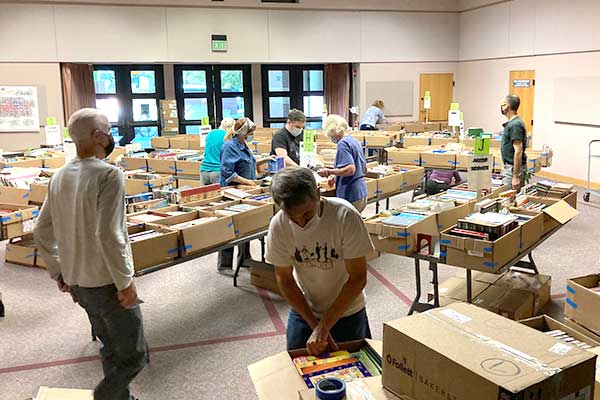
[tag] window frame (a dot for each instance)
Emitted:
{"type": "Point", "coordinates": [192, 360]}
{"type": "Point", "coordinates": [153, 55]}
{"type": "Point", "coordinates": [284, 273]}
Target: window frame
{"type": "Point", "coordinates": [180, 94]}
{"type": "Point", "coordinates": [246, 94]}
{"type": "Point", "coordinates": [296, 92]}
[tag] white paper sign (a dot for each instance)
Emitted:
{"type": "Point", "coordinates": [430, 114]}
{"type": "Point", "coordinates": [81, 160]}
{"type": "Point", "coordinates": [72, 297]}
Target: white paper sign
{"type": "Point", "coordinates": [453, 118]}
{"type": "Point", "coordinates": [19, 109]}
{"type": "Point", "coordinates": [308, 160]}
{"type": "Point", "coordinates": [53, 135]}
{"type": "Point", "coordinates": [70, 151]}
{"type": "Point", "coordinates": [479, 173]}
{"type": "Point", "coordinates": [427, 103]}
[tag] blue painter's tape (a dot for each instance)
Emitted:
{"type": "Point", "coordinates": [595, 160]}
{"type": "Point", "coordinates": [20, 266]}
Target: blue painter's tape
{"type": "Point", "coordinates": [32, 255]}
{"type": "Point", "coordinates": [178, 170]}
{"type": "Point", "coordinates": [18, 215]}
{"type": "Point", "coordinates": [140, 225]}
{"type": "Point", "coordinates": [378, 191]}
{"type": "Point", "coordinates": [404, 247]}
{"type": "Point", "coordinates": [571, 303]}
{"type": "Point", "coordinates": [388, 145]}
{"type": "Point", "coordinates": [148, 184]}
{"type": "Point", "coordinates": [423, 162]}
{"type": "Point", "coordinates": [237, 232]}
{"type": "Point", "coordinates": [440, 226]}
{"type": "Point", "coordinates": [488, 249]}
{"type": "Point", "coordinates": [187, 247]}
{"type": "Point", "coordinates": [445, 241]}
{"type": "Point", "coordinates": [35, 213]}
{"type": "Point", "coordinates": [5, 219]}
{"type": "Point", "coordinates": [532, 160]}
{"type": "Point", "coordinates": [403, 234]}
{"type": "Point", "coordinates": [173, 251]}
{"type": "Point", "coordinates": [452, 162]}
{"type": "Point", "coordinates": [443, 254]}
{"type": "Point", "coordinates": [417, 161]}
{"type": "Point", "coordinates": [230, 225]}
{"type": "Point", "coordinates": [404, 184]}
{"type": "Point", "coordinates": [26, 195]}
{"type": "Point", "coordinates": [532, 169]}
{"type": "Point", "coordinates": [490, 264]}
{"type": "Point", "coordinates": [570, 289]}
{"type": "Point", "coordinates": [172, 167]}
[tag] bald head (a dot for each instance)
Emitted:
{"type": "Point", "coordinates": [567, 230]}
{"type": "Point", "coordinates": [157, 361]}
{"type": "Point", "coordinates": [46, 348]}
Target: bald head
{"type": "Point", "coordinates": [84, 122]}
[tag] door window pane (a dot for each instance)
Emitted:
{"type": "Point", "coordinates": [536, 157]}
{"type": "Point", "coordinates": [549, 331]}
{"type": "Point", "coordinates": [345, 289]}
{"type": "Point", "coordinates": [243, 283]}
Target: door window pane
{"type": "Point", "coordinates": [232, 81]}
{"type": "Point", "coordinates": [143, 82]}
{"type": "Point", "coordinates": [115, 134]}
{"type": "Point", "coordinates": [233, 107]}
{"type": "Point", "coordinates": [144, 110]}
{"type": "Point", "coordinates": [104, 82]}
{"type": "Point", "coordinates": [279, 81]}
{"type": "Point", "coordinates": [279, 107]}
{"type": "Point", "coordinates": [314, 125]}
{"type": "Point", "coordinates": [276, 125]}
{"type": "Point", "coordinates": [110, 107]}
{"type": "Point", "coordinates": [195, 109]}
{"type": "Point", "coordinates": [313, 81]}
{"type": "Point", "coordinates": [144, 135]}
{"type": "Point", "coordinates": [313, 106]}
{"type": "Point", "coordinates": [194, 81]}
{"type": "Point", "coordinates": [192, 129]}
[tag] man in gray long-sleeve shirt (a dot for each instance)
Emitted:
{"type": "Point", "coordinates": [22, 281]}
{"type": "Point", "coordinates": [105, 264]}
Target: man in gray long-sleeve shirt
{"type": "Point", "coordinates": [82, 236]}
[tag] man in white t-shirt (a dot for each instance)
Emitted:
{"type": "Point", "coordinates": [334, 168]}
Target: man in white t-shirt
{"type": "Point", "coordinates": [319, 248]}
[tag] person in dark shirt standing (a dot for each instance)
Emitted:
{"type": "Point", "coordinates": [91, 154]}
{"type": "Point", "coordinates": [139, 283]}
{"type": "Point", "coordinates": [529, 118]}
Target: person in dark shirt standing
{"type": "Point", "coordinates": [514, 143]}
{"type": "Point", "coordinates": [286, 141]}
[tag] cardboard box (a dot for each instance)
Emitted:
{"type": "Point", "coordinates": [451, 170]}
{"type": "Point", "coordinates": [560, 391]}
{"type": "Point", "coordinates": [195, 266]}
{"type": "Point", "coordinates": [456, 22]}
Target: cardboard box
{"type": "Point", "coordinates": [582, 304]}
{"type": "Point", "coordinates": [276, 377]}
{"type": "Point", "coordinates": [371, 385]}
{"type": "Point", "coordinates": [437, 141]}
{"type": "Point", "coordinates": [456, 288]}
{"type": "Point", "coordinates": [462, 161]}
{"type": "Point", "coordinates": [160, 142]}
{"type": "Point", "coordinates": [133, 163]}
{"type": "Point", "coordinates": [371, 188]}
{"type": "Point", "coordinates": [161, 166]}
{"type": "Point", "coordinates": [398, 239]}
{"type": "Point", "coordinates": [264, 278]}
{"type": "Point", "coordinates": [435, 159]}
{"type": "Point", "coordinates": [22, 251]}
{"type": "Point", "coordinates": [465, 352]}
{"type": "Point", "coordinates": [403, 156]}
{"type": "Point", "coordinates": [413, 176]}
{"type": "Point", "coordinates": [421, 126]}
{"type": "Point", "coordinates": [532, 230]}
{"type": "Point", "coordinates": [37, 193]}
{"type": "Point", "coordinates": [557, 213]}
{"type": "Point", "coordinates": [178, 142]}
{"type": "Point", "coordinates": [13, 195]}
{"type": "Point", "coordinates": [54, 162]}
{"type": "Point", "coordinates": [380, 139]}
{"type": "Point", "coordinates": [263, 147]}
{"type": "Point", "coordinates": [390, 183]}
{"type": "Point", "coordinates": [448, 218]}
{"type": "Point", "coordinates": [250, 221]}
{"type": "Point", "coordinates": [183, 182]}
{"type": "Point", "coordinates": [581, 329]}
{"type": "Point", "coordinates": [19, 222]}
{"type": "Point", "coordinates": [415, 141]}
{"type": "Point", "coordinates": [156, 250]}
{"type": "Point", "coordinates": [137, 186]}
{"type": "Point", "coordinates": [480, 255]}
{"type": "Point", "coordinates": [537, 284]}
{"type": "Point", "coordinates": [194, 143]}
{"type": "Point", "coordinates": [23, 162]}
{"type": "Point", "coordinates": [510, 303]}
{"type": "Point", "coordinates": [46, 393]}
{"type": "Point", "coordinates": [596, 351]}
{"type": "Point", "coordinates": [544, 323]}
{"type": "Point", "coordinates": [191, 168]}
{"type": "Point", "coordinates": [201, 237]}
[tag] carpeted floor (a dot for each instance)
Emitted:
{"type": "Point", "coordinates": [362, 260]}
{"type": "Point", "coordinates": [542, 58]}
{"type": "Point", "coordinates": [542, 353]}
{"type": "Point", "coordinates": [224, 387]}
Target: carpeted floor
{"type": "Point", "coordinates": [204, 332]}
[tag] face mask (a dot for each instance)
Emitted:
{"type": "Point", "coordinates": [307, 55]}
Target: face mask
{"type": "Point", "coordinates": [503, 110]}
{"type": "Point", "coordinates": [314, 221]}
{"type": "Point", "coordinates": [250, 139]}
{"type": "Point", "coordinates": [334, 139]}
{"type": "Point", "coordinates": [296, 132]}
{"type": "Point", "coordinates": [109, 147]}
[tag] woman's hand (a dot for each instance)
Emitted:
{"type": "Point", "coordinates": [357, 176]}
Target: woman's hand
{"type": "Point", "coordinates": [324, 172]}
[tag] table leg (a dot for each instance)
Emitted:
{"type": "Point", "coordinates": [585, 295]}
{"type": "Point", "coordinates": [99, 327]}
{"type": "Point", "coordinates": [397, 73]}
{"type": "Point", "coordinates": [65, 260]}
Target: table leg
{"type": "Point", "coordinates": [469, 287]}
{"type": "Point", "coordinates": [387, 203]}
{"type": "Point", "coordinates": [262, 249]}
{"type": "Point", "coordinates": [415, 303]}
{"type": "Point", "coordinates": [433, 267]}
{"type": "Point", "coordinates": [377, 207]}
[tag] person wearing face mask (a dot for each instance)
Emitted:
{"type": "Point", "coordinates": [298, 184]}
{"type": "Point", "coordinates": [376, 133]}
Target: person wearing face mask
{"type": "Point", "coordinates": [514, 143]}
{"type": "Point", "coordinates": [82, 236]}
{"type": "Point", "coordinates": [350, 164]}
{"type": "Point", "coordinates": [238, 167]}
{"type": "Point", "coordinates": [286, 141]}
{"type": "Point", "coordinates": [318, 247]}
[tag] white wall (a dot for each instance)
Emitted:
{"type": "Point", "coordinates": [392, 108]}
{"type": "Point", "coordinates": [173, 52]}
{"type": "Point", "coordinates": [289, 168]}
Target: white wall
{"type": "Point", "coordinates": [92, 33]}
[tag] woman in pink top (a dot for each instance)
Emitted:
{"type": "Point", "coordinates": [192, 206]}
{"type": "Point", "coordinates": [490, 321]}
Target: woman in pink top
{"type": "Point", "coordinates": [441, 180]}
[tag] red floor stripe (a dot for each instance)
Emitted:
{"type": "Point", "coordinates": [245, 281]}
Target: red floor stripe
{"type": "Point", "coordinates": [390, 286]}
{"type": "Point", "coordinates": [272, 311]}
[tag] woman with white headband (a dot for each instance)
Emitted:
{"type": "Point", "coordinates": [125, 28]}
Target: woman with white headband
{"type": "Point", "coordinates": [238, 166]}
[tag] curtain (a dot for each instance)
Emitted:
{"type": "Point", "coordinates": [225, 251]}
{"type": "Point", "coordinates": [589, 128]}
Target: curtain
{"type": "Point", "coordinates": [78, 87]}
{"type": "Point", "coordinates": [337, 89]}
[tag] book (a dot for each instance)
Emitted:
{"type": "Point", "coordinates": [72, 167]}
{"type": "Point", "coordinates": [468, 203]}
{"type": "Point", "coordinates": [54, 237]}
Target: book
{"type": "Point", "coordinates": [348, 372]}
{"type": "Point", "coordinates": [403, 219]}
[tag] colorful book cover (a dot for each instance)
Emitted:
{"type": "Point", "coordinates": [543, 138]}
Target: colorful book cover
{"type": "Point", "coordinates": [347, 373]}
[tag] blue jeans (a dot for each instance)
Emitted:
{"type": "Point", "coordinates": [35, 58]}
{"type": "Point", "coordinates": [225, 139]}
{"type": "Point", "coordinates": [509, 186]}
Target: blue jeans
{"type": "Point", "coordinates": [352, 327]}
{"type": "Point", "coordinates": [208, 178]}
{"type": "Point", "coordinates": [124, 349]}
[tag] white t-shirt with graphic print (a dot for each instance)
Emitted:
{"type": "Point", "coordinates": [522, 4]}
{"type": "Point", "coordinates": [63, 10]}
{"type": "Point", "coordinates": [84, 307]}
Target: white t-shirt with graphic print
{"type": "Point", "coordinates": [317, 254]}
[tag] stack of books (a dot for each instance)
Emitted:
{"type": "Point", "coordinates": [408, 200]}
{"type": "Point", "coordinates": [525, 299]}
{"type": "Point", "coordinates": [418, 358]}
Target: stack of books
{"type": "Point", "coordinates": [404, 219]}
{"type": "Point", "coordinates": [19, 178]}
{"type": "Point", "coordinates": [193, 223]}
{"type": "Point", "coordinates": [525, 202]}
{"type": "Point", "coordinates": [187, 195]}
{"type": "Point", "coordinates": [489, 226]}
{"type": "Point", "coordinates": [136, 237]}
{"type": "Point", "coordinates": [553, 189]}
{"type": "Point", "coordinates": [461, 196]}
{"type": "Point", "coordinates": [340, 364]}
{"type": "Point", "coordinates": [235, 209]}
{"type": "Point", "coordinates": [138, 198]}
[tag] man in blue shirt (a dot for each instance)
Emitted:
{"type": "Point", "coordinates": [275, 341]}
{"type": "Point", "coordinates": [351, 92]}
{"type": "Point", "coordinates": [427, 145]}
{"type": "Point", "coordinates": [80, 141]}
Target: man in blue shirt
{"type": "Point", "coordinates": [350, 163]}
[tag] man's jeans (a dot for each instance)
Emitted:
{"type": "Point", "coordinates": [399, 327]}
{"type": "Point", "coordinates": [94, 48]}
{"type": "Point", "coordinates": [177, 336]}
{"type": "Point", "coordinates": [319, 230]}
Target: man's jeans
{"type": "Point", "coordinates": [125, 351]}
{"type": "Point", "coordinates": [507, 175]}
{"type": "Point", "coordinates": [353, 327]}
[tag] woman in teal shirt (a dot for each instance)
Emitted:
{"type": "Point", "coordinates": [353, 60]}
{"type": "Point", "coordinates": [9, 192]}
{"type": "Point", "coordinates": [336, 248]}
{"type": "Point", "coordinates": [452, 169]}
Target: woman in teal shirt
{"type": "Point", "coordinates": [210, 170]}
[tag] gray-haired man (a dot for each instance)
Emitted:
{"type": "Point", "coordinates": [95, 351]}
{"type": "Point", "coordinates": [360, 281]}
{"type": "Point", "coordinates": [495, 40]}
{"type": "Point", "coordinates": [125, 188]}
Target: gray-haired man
{"type": "Point", "coordinates": [319, 248]}
{"type": "Point", "coordinates": [286, 141]}
{"type": "Point", "coordinates": [82, 237]}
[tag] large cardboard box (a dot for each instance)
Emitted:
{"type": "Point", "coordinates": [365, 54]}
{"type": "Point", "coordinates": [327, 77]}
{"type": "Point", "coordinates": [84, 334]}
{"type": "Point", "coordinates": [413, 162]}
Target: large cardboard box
{"type": "Point", "coordinates": [403, 156]}
{"type": "Point", "coordinates": [252, 220]}
{"type": "Point", "coordinates": [201, 237]}
{"type": "Point", "coordinates": [276, 377]}
{"type": "Point", "coordinates": [544, 323]}
{"type": "Point", "coordinates": [23, 162]}
{"type": "Point", "coordinates": [456, 288]}
{"type": "Point", "coordinates": [160, 142]}
{"type": "Point", "coordinates": [399, 239]}
{"type": "Point", "coordinates": [438, 159]}
{"type": "Point", "coordinates": [264, 277]}
{"type": "Point", "coordinates": [37, 193]}
{"type": "Point", "coordinates": [415, 141]}
{"type": "Point", "coordinates": [183, 182]}
{"type": "Point", "coordinates": [133, 163]}
{"type": "Point", "coordinates": [532, 230]}
{"type": "Point", "coordinates": [54, 162]}
{"type": "Point", "coordinates": [21, 251]}
{"type": "Point", "coordinates": [179, 142]}
{"type": "Point", "coordinates": [537, 285]}
{"type": "Point", "coordinates": [582, 304]}
{"type": "Point", "coordinates": [462, 161]}
{"type": "Point", "coordinates": [510, 303]}
{"type": "Point", "coordinates": [413, 175]}
{"type": "Point", "coordinates": [161, 166]}
{"type": "Point", "coordinates": [13, 195]}
{"type": "Point", "coordinates": [390, 183]}
{"type": "Point", "coordinates": [19, 220]}
{"type": "Point", "coordinates": [437, 141]}
{"type": "Point", "coordinates": [448, 218]}
{"type": "Point", "coordinates": [190, 168]}
{"type": "Point", "coordinates": [558, 212]}
{"type": "Point", "coordinates": [156, 250]}
{"type": "Point", "coordinates": [137, 186]}
{"type": "Point", "coordinates": [480, 255]}
{"type": "Point", "coordinates": [371, 188]}
{"type": "Point", "coordinates": [367, 388]}
{"type": "Point", "coordinates": [464, 352]}
{"type": "Point", "coordinates": [380, 139]}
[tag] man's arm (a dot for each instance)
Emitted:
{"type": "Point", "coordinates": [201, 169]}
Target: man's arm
{"type": "Point", "coordinates": [280, 152]}
{"type": "Point", "coordinates": [45, 240]}
{"type": "Point", "coordinates": [348, 170]}
{"type": "Point", "coordinates": [517, 161]}
{"type": "Point", "coordinates": [292, 293]}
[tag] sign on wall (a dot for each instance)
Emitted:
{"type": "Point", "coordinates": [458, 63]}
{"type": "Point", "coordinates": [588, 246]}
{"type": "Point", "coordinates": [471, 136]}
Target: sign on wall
{"type": "Point", "coordinates": [19, 109]}
{"type": "Point", "coordinates": [521, 83]}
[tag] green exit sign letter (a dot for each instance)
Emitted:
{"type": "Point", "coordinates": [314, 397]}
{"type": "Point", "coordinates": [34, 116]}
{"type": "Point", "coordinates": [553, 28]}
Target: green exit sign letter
{"type": "Point", "coordinates": [219, 43]}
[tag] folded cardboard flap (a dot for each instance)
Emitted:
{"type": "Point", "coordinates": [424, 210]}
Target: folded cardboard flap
{"type": "Point", "coordinates": [46, 393]}
{"type": "Point", "coordinates": [371, 385]}
{"type": "Point", "coordinates": [544, 323]}
{"type": "Point", "coordinates": [582, 303]}
{"type": "Point", "coordinates": [561, 211]}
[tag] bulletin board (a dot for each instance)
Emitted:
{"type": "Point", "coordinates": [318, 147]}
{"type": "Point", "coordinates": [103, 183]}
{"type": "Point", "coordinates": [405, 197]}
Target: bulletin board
{"type": "Point", "coordinates": [577, 100]}
{"type": "Point", "coordinates": [19, 109]}
{"type": "Point", "coordinates": [398, 97]}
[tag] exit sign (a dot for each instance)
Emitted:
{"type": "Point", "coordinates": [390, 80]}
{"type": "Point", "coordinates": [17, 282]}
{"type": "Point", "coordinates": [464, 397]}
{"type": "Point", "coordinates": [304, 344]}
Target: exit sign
{"type": "Point", "coordinates": [219, 43]}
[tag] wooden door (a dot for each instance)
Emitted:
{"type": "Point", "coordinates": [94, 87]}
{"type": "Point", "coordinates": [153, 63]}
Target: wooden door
{"type": "Point", "coordinates": [441, 87]}
{"type": "Point", "coordinates": [522, 83]}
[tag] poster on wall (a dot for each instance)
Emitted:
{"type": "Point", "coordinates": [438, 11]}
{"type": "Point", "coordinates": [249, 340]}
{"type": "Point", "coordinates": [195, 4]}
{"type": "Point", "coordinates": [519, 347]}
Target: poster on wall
{"type": "Point", "coordinates": [19, 109]}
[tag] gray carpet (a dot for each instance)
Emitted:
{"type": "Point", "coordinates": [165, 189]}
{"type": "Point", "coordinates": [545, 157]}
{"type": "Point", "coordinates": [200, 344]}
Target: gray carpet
{"type": "Point", "coordinates": [205, 332]}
